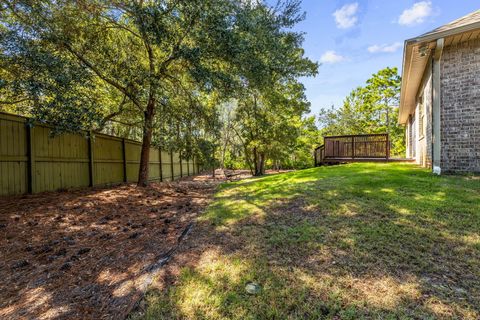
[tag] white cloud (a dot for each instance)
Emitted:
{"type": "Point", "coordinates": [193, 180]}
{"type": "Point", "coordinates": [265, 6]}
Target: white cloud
{"type": "Point", "coordinates": [416, 14]}
{"type": "Point", "coordinates": [331, 57]}
{"type": "Point", "coordinates": [385, 47]}
{"type": "Point", "coordinates": [345, 17]}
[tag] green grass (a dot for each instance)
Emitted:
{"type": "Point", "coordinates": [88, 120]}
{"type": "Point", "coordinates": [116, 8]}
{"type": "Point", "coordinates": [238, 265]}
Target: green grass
{"type": "Point", "coordinates": [358, 241]}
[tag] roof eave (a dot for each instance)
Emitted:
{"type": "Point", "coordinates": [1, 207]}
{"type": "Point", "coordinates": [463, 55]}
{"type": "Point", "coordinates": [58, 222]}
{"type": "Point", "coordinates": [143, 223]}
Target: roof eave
{"type": "Point", "coordinates": [433, 36]}
{"type": "Point", "coordinates": [412, 73]}
{"type": "Point", "coordinates": [409, 67]}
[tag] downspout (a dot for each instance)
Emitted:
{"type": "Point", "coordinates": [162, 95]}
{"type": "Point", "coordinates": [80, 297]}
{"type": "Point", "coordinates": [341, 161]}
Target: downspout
{"type": "Point", "coordinates": [436, 108]}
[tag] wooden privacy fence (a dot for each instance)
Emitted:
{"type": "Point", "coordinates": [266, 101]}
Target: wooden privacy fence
{"type": "Point", "coordinates": [353, 148]}
{"type": "Point", "coordinates": [32, 161]}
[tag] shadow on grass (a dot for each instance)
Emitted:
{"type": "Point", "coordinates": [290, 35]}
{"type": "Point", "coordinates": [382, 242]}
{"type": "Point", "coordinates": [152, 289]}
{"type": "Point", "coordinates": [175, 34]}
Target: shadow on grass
{"type": "Point", "coordinates": [356, 241]}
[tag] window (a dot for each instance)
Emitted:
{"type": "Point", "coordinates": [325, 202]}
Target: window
{"type": "Point", "coordinates": [421, 118]}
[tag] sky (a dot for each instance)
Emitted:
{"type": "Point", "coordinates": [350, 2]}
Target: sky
{"type": "Point", "coordinates": [354, 39]}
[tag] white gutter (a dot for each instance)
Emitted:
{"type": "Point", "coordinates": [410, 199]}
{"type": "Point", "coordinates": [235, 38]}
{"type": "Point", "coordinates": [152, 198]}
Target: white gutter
{"type": "Point", "coordinates": [436, 107]}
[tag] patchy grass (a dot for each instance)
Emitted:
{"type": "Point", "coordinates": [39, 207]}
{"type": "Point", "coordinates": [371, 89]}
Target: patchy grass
{"type": "Point", "coordinates": [372, 241]}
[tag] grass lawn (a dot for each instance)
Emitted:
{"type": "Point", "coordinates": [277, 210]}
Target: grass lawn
{"type": "Point", "coordinates": [373, 241]}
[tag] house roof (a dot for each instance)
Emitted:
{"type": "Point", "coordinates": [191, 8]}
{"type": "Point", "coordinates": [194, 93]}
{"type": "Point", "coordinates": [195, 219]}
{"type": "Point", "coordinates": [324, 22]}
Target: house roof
{"type": "Point", "coordinates": [464, 21]}
{"type": "Point", "coordinates": [417, 52]}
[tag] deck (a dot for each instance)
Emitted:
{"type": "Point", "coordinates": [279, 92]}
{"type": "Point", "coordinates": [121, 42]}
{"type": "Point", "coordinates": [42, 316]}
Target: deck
{"type": "Point", "coordinates": [355, 148]}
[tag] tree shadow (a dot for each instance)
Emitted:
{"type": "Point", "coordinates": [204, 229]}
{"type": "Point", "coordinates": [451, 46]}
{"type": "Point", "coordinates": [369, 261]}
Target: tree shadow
{"type": "Point", "coordinates": [356, 241]}
{"type": "Point", "coordinates": [89, 253]}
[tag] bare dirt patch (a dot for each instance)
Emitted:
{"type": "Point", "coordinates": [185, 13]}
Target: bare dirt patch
{"type": "Point", "coordinates": [91, 253]}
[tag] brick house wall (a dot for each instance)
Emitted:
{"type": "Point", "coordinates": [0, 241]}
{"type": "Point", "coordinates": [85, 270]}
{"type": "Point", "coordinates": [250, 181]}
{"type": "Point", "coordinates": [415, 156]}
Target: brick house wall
{"type": "Point", "coordinates": [420, 140]}
{"type": "Point", "coordinates": [460, 107]}
{"type": "Point", "coordinates": [427, 103]}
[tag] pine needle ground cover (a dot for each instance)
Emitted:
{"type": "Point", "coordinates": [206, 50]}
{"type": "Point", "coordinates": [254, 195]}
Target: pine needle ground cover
{"type": "Point", "coordinates": [90, 253]}
{"type": "Point", "coordinates": [358, 241]}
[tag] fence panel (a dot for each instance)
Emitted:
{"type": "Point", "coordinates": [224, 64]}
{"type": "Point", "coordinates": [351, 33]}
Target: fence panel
{"type": "Point", "coordinates": [108, 160]}
{"type": "Point", "coordinates": [184, 167]}
{"type": "Point", "coordinates": [190, 167]}
{"type": "Point", "coordinates": [13, 155]}
{"type": "Point", "coordinates": [58, 162]}
{"type": "Point", "coordinates": [166, 166]}
{"type": "Point", "coordinates": [32, 160]}
{"type": "Point", "coordinates": [132, 150]}
{"type": "Point", "coordinates": [154, 165]}
{"type": "Point", "coordinates": [177, 169]}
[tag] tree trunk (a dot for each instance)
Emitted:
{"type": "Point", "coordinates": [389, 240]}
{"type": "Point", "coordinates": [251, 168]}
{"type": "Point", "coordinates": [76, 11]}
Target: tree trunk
{"type": "Point", "coordinates": [146, 142]}
{"type": "Point", "coordinates": [255, 162]}
{"type": "Point", "coordinates": [262, 164]}
{"type": "Point", "coordinates": [259, 161]}
{"type": "Point", "coordinates": [248, 160]}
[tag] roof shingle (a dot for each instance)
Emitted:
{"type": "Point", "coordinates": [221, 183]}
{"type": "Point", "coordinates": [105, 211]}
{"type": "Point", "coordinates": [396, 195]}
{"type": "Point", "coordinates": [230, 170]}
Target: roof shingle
{"type": "Point", "coordinates": [463, 21]}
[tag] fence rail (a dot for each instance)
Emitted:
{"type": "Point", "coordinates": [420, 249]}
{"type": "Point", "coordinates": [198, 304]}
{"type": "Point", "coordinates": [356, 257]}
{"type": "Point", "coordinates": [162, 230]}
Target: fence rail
{"type": "Point", "coordinates": [353, 148]}
{"type": "Point", "coordinates": [32, 161]}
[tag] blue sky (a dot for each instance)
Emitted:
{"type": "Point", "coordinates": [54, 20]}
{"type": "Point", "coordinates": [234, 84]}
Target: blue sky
{"type": "Point", "coordinates": [354, 39]}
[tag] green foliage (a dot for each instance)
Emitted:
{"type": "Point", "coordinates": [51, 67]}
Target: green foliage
{"type": "Point", "coordinates": [45, 85]}
{"type": "Point", "coordinates": [154, 70]}
{"type": "Point", "coordinates": [369, 109]}
{"type": "Point", "coordinates": [271, 102]}
{"type": "Point", "coordinates": [300, 155]}
{"type": "Point", "coordinates": [263, 120]}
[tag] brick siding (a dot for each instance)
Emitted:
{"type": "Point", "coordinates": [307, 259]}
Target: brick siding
{"type": "Point", "coordinates": [460, 108]}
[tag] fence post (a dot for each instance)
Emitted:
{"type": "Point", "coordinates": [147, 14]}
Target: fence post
{"type": "Point", "coordinates": [353, 147]}
{"type": "Point", "coordinates": [181, 166]}
{"type": "Point", "coordinates": [171, 164]}
{"type": "Point", "coordinates": [388, 148]}
{"type": "Point", "coordinates": [124, 156]}
{"type": "Point", "coordinates": [30, 160]}
{"type": "Point", "coordinates": [90, 160]}
{"type": "Point", "coordinates": [160, 165]}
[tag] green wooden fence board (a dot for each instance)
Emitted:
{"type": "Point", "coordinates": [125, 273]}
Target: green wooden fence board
{"type": "Point", "coordinates": [62, 162]}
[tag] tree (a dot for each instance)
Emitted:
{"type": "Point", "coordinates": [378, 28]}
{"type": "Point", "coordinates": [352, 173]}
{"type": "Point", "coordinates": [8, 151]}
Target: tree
{"type": "Point", "coordinates": [137, 48]}
{"type": "Point", "coordinates": [299, 156]}
{"type": "Point", "coordinates": [134, 57]}
{"type": "Point", "coordinates": [270, 99]}
{"type": "Point", "coordinates": [269, 122]}
{"type": "Point", "coordinates": [383, 89]}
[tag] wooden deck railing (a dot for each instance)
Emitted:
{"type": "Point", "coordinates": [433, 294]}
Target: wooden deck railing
{"type": "Point", "coordinates": [353, 147]}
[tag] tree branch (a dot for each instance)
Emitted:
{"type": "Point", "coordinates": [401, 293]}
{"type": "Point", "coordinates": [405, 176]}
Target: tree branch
{"type": "Point", "coordinates": [113, 114]}
{"type": "Point", "coordinates": [102, 76]}
{"type": "Point", "coordinates": [14, 102]}
{"type": "Point", "coordinates": [173, 55]}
